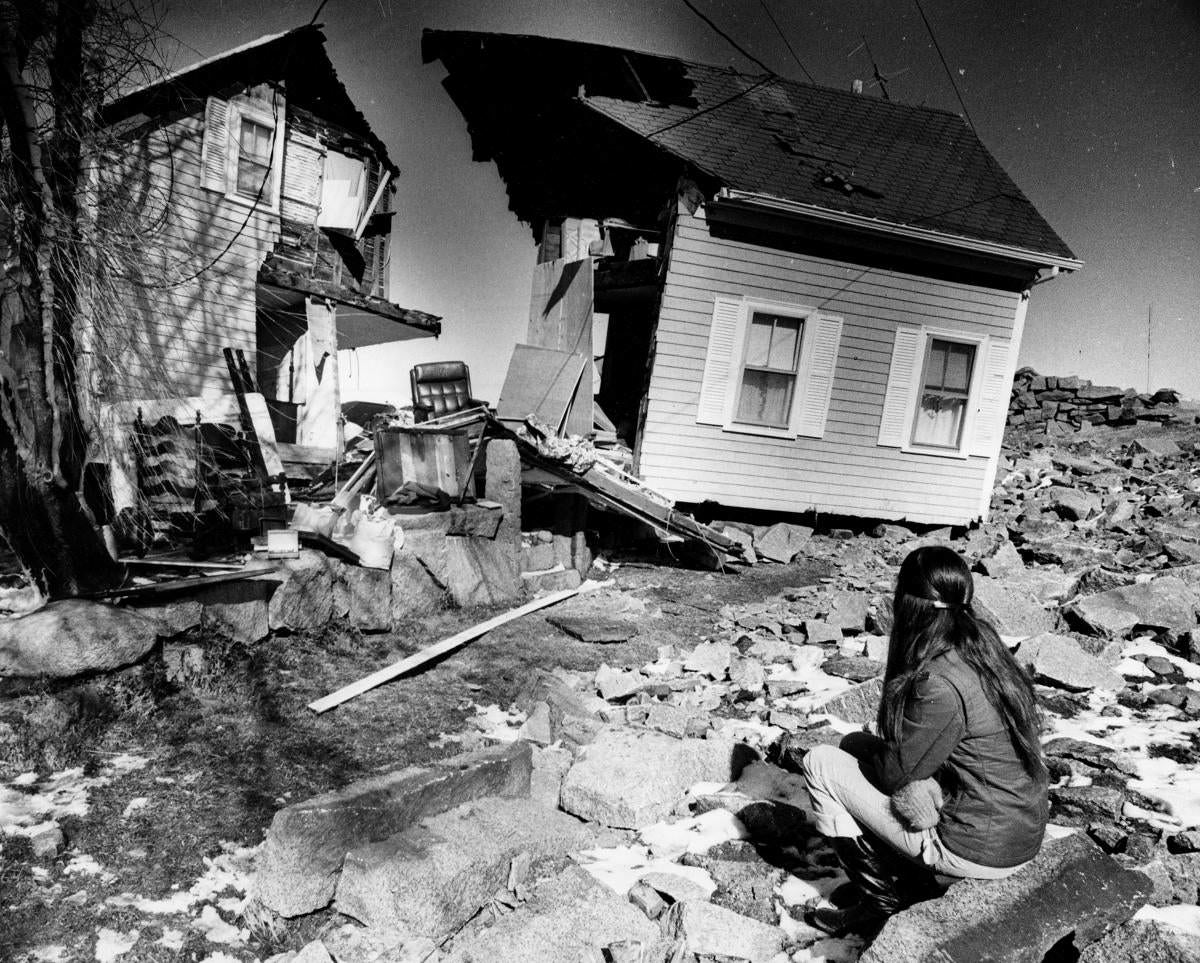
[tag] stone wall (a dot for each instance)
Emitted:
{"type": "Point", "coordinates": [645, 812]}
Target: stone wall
{"type": "Point", "coordinates": [1062, 404]}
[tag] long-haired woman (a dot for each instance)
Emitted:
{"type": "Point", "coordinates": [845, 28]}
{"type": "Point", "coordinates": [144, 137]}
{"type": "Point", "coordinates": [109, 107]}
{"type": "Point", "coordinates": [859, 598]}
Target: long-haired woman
{"type": "Point", "coordinates": [955, 784]}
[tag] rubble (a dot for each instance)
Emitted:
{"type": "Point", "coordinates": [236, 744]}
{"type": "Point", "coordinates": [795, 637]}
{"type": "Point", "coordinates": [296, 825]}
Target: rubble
{"type": "Point", "coordinates": [564, 916]}
{"type": "Point", "coordinates": [297, 869]}
{"type": "Point", "coordinates": [1071, 887]}
{"type": "Point", "coordinates": [1059, 660]}
{"type": "Point", "coordinates": [708, 929]}
{"type": "Point", "coordinates": [1069, 402]}
{"type": "Point", "coordinates": [1144, 941]}
{"type": "Point", "coordinates": [631, 778]}
{"type": "Point", "coordinates": [432, 877]}
{"type": "Point", "coordinates": [1161, 603]}
{"type": "Point", "coordinates": [781, 542]}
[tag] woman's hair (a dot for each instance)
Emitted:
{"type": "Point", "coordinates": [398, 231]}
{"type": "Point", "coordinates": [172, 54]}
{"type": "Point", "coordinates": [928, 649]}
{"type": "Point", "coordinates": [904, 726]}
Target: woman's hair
{"type": "Point", "coordinates": [931, 615]}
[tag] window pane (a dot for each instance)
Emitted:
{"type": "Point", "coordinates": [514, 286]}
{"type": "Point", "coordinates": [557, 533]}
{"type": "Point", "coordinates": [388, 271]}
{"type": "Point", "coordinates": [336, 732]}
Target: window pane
{"type": "Point", "coordinates": [256, 140]}
{"type": "Point", "coordinates": [766, 398]}
{"type": "Point", "coordinates": [758, 347]}
{"type": "Point", "coordinates": [784, 342]}
{"type": "Point", "coordinates": [250, 179]}
{"type": "Point", "coordinates": [958, 367]}
{"type": "Point", "coordinates": [939, 421]}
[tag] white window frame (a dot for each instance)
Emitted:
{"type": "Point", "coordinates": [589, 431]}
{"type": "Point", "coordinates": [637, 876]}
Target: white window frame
{"type": "Point", "coordinates": [751, 307]}
{"type": "Point", "coordinates": [259, 115]}
{"type": "Point", "coordinates": [962, 451]}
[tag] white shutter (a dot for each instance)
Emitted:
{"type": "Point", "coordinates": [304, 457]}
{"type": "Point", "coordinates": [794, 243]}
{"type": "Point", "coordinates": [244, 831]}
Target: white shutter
{"type": "Point", "coordinates": [724, 352]}
{"type": "Point", "coordinates": [817, 368]}
{"type": "Point", "coordinates": [303, 162]}
{"type": "Point", "coordinates": [215, 146]}
{"type": "Point", "coordinates": [995, 388]}
{"type": "Point", "coordinates": [896, 423]}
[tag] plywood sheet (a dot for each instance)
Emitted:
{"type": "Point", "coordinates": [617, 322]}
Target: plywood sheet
{"type": "Point", "coordinates": [560, 317]}
{"type": "Point", "coordinates": [543, 382]}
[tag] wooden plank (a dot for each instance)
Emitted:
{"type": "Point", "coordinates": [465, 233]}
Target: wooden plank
{"type": "Point", "coordinates": [427, 654]}
{"type": "Point", "coordinates": [560, 317]}
{"type": "Point", "coordinates": [180, 584]}
{"type": "Point", "coordinates": [541, 382]}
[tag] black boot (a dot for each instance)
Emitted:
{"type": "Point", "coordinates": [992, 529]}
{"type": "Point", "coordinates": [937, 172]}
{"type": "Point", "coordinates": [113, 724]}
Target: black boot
{"type": "Point", "coordinates": [879, 874]}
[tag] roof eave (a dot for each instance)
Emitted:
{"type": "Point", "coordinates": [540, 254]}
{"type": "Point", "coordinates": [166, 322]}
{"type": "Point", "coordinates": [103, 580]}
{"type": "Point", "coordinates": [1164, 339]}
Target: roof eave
{"type": "Point", "coordinates": [975, 245]}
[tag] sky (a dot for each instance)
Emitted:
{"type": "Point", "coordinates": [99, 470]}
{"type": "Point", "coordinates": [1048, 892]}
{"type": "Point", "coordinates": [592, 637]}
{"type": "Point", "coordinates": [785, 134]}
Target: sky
{"type": "Point", "coordinates": [1091, 108]}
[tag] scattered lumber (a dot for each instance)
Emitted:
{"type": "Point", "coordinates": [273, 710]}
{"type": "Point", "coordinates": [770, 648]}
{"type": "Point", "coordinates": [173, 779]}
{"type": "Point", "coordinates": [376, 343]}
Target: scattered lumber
{"type": "Point", "coordinates": [180, 584]}
{"type": "Point", "coordinates": [427, 654]}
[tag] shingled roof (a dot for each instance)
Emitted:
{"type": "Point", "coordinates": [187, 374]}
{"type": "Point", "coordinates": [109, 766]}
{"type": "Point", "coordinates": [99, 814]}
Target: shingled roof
{"type": "Point", "coordinates": [894, 163]}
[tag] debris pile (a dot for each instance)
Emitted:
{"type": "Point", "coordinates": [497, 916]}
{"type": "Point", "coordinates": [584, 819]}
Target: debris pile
{"type": "Point", "coordinates": [1063, 404]}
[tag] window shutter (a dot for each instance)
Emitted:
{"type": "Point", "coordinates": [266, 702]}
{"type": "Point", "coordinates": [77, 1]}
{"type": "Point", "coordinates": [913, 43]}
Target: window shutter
{"type": "Point", "coordinates": [995, 387]}
{"type": "Point", "coordinates": [724, 344]}
{"type": "Point", "coordinates": [896, 422]}
{"type": "Point", "coordinates": [215, 146]}
{"type": "Point", "coordinates": [303, 164]}
{"type": "Point", "coordinates": [817, 369]}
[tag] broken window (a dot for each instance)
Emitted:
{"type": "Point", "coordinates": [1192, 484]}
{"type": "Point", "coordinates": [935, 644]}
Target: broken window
{"type": "Point", "coordinates": [768, 384]}
{"type": "Point", "coordinates": [343, 192]}
{"type": "Point", "coordinates": [945, 390]}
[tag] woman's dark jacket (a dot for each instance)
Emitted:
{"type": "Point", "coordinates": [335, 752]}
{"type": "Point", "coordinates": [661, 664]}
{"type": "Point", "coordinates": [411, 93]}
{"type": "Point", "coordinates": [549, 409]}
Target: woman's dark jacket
{"type": "Point", "coordinates": [995, 812]}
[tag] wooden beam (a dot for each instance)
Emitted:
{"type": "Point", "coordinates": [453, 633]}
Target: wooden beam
{"type": "Point", "coordinates": [427, 654]}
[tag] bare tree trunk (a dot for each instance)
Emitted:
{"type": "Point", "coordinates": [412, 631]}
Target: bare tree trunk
{"type": "Point", "coordinates": [41, 443]}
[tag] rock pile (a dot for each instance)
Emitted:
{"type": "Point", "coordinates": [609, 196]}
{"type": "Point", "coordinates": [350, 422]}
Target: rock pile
{"type": "Point", "coordinates": [1063, 404]}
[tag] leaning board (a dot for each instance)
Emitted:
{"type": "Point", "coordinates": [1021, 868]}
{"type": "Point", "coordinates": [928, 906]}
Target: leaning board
{"type": "Point", "coordinates": [541, 382]}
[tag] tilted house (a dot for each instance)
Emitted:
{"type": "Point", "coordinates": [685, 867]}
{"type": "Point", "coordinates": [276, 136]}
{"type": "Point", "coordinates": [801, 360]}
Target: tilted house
{"type": "Point", "coordinates": [260, 201]}
{"type": "Point", "coordinates": [827, 316]}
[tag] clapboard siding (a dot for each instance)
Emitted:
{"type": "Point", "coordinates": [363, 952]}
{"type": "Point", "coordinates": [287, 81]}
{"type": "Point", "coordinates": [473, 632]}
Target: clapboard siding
{"type": "Point", "coordinates": [844, 471]}
{"type": "Point", "coordinates": [161, 332]}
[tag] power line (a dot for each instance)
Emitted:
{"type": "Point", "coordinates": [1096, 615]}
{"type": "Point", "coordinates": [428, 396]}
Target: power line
{"type": "Point", "coordinates": [728, 39]}
{"type": "Point", "coordinates": [786, 42]}
{"type": "Point", "coordinates": [942, 57]}
{"type": "Point", "coordinates": [709, 109]}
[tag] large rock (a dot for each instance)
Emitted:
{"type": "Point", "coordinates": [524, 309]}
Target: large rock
{"type": "Point", "coordinates": [174, 617]}
{"type": "Point", "coordinates": [565, 916]}
{"type": "Point", "coordinates": [432, 878]}
{"type": "Point", "coordinates": [629, 778]}
{"type": "Point", "coordinates": [1003, 560]}
{"type": "Point", "coordinates": [859, 705]}
{"type": "Point", "coordinates": [1060, 661]}
{"type": "Point", "coordinates": [1070, 887]}
{"type": "Point", "coordinates": [1144, 941]}
{"type": "Point", "coordinates": [1166, 602]}
{"type": "Point", "coordinates": [300, 860]}
{"type": "Point", "coordinates": [711, 930]}
{"type": "Point", "coordinates": [304, 599]}
{"type": "Point", "coordinates": [1073, 504]}
{"type": "Point", "coordinates": [782, 541]}
{"type": "Point", "coordinates": [1013, 610]}
{"type": "Point", "coordinates": [481, 571]}
{"type": "Point", "coordinates": [363, 596]}
{"type": "Point", "coordinates": [237, 610]}
{"type": "Point", "coordinates": [74, 636]}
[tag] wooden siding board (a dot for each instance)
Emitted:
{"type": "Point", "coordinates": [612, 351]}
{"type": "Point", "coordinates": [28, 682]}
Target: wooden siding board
{"type": "Point", "coordinates": [845, 471]}
{"type": "Point", "coordinates": [169, 338]}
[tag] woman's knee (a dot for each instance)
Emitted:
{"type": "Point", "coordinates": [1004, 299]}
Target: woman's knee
{"type": "Point", "coordinates": [818, 762]}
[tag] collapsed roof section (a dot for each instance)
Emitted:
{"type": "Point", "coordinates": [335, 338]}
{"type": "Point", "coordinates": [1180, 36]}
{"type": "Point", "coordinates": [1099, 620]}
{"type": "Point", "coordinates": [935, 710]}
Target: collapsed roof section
{"type": "Point", "coordinates": [532, 104]}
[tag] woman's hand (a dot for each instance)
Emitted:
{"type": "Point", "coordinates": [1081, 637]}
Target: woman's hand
{"type": "Point", "coordinates": [918, 805]}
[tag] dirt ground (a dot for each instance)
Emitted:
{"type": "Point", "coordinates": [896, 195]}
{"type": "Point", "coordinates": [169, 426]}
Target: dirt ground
{"type": "Point", "coordinates": [229, 747]}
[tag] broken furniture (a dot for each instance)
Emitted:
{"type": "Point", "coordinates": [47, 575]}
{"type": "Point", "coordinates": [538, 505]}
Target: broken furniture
{"type": "Point", "coordinates": [441, 388]}
{"type": "Point", "coordinates": [432, 458]}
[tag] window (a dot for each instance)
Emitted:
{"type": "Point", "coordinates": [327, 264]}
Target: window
{"type": "Point", "coordinates": [768, 383]}
{"type": "Point", "coordinates": [243, 150]}
{"type": "Point", "coordinates": [768, 368]}
{"type": "Point", "coordinates": [254, 160]}
{"type": "Point", "coordinates": [945, 391]}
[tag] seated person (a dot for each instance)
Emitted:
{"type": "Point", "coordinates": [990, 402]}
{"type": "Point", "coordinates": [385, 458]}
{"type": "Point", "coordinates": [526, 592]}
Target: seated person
{"type": "Point", "coordinates": [955, 784]}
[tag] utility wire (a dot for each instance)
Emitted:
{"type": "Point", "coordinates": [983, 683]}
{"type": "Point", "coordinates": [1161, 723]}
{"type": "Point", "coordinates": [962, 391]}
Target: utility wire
{"type": "Point", "coordinates": [942, 57]}
{"type": "Point", "coordinates": [711, 107]}
{"type": "Point", "coordinates": [786, 42]}
{"type": "Point", "coordinates": [728, 39]}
